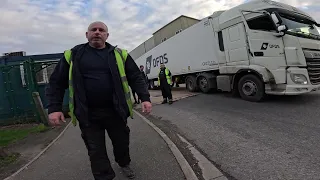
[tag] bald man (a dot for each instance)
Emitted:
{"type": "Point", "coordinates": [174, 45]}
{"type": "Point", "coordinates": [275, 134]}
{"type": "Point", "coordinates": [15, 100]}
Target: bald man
{"type": "Point", "coordinates": [100, 103]}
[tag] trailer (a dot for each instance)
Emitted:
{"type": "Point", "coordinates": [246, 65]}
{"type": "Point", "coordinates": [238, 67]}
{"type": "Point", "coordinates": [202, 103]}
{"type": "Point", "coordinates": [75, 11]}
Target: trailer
{"type": "Point", "coordinates": [257, 48]}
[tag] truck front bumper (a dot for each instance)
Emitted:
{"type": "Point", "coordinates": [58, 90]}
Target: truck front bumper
{"type": "Point", "coordinates": [293, 88]}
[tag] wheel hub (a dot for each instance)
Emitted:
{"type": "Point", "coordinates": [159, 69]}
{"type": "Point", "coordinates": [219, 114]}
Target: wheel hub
{"type": "Point", "coordinates": [249, 88]}
{"type": "Point", "coordinates": [190, 84]}
{"type": "Point", "coordinates": [203, 82]}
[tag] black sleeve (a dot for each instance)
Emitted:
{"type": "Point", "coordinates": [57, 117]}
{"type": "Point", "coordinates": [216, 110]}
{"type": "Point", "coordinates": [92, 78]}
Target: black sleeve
{"type": "Point", "coordinates": [136, 80]}
{"type": "Point", "coordinates": [58, 83]}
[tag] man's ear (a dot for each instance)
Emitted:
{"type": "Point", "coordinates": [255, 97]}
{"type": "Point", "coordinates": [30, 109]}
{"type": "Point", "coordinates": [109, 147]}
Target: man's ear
{"type": "Point", "coordinates": [86, 34]}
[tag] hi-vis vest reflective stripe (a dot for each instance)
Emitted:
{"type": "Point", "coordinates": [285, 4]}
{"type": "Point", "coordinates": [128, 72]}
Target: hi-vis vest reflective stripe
{"type": "Point", "coordinates": [121, 57]}
{"type": "Point", "coordinates": [167, 76]}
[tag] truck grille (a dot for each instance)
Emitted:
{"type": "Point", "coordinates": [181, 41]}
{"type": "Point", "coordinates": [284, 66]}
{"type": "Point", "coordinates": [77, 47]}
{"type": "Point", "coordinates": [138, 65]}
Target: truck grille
{"type": "Point", "coordinates": [313, 66]}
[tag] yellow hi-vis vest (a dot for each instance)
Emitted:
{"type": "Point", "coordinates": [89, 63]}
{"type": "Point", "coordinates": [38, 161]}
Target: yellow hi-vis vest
{"type": "Point", "coordinates": [121, 57]}
{"type": "Point", "coordinates": [169, 81]}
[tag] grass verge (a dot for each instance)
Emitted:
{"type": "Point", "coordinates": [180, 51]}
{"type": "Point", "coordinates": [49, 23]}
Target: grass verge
{"type": "Point", "coordinates": [12, 134]}
{"type": "Point", "coordinates": [6, 160]}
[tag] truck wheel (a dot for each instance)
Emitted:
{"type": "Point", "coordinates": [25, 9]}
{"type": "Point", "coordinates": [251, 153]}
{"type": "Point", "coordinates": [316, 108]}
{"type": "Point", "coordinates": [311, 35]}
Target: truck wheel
{"type": "Point", "coordinates": [251, 88]}
{"type": "Point", "coordinates": [191, 84]}
{"type": "Point", "coordinates": [204, 84]}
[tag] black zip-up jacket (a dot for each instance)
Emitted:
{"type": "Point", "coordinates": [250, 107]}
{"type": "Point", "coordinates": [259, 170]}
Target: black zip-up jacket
{"type": "Point", "coordinates": [145, 76]}
{"type": "Point", "coordinates": [58, 83]}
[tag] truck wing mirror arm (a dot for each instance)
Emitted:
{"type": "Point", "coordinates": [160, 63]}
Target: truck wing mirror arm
{"type": "Point", "coordinates": [276, 18]}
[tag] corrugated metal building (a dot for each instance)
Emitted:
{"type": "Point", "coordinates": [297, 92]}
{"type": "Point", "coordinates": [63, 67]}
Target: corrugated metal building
{"type": "Point", "coordinates": [142, 48]}
{"type": "Point", "coordinates": [172, 28]}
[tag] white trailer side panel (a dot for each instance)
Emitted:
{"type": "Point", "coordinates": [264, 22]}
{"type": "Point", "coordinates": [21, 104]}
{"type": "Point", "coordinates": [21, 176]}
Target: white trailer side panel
{"type": "Point", "coordinates": [192, 50]}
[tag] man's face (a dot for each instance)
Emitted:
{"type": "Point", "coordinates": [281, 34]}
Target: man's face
{"type": "Point", "coordinates": [97, 34]}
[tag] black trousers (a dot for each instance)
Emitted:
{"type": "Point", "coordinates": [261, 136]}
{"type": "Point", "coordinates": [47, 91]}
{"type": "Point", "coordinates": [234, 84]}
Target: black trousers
{"type": "Point", "coordinates": [166, 90]}
{"type": "Point", "coordinates": [102, 120]}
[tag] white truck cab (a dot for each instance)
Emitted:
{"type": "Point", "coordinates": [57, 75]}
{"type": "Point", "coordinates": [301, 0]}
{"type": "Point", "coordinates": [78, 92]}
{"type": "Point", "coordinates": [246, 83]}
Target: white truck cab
{"type": "Point", "coordinates": [257, 48]}
{"type": "Point", "coordinates": [277, 42]}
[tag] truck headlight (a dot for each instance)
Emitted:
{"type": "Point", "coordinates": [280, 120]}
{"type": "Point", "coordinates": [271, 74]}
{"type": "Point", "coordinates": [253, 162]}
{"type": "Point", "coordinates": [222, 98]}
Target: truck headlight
{"type": "Point", "coordinates": [299, 78]}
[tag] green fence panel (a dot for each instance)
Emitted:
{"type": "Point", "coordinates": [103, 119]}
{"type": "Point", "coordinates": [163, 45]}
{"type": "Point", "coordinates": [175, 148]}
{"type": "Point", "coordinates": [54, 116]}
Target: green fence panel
{"type": "Point", "coordinates": [4, 105]}
{"type": "Point", "coordinates": [16, 103]}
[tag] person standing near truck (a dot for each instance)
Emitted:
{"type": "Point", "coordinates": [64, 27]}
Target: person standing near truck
{"type": "Point", "coordinates": [98, 76]}
{"type": "Point", "coordinates": [143, 73]}
{"type": "Point", "coordinates": [165, 83]}
{"type": "Point", "coordinates": [138, 100]}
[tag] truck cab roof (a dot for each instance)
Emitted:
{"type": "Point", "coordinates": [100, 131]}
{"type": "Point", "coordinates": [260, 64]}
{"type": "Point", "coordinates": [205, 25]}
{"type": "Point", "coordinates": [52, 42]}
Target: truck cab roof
{"type": "Point", "coordinates": [232, 16]}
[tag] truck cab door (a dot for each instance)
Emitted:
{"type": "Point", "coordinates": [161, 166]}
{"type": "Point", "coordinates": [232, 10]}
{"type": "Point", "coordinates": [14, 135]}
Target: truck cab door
{"type": "Point", "coordinates": [236, 46]}
{"type": "Point", "coordinates": [266, 49]}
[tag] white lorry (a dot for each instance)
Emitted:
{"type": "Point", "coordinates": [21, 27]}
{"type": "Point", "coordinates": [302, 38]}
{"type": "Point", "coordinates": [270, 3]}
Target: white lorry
{"type": "Point", "coordinates": [257, 48]}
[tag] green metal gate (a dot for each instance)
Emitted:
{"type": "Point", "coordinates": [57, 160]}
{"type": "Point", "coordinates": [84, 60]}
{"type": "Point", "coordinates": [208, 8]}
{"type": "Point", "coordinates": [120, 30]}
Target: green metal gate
{"type": "Point", "coordinates": [17, 82]}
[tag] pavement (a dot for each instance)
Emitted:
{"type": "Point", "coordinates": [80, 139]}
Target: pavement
{"type": "Point", "coordinates": [67, 159]}
{"type": "Point", "coordinates": [275, 139]}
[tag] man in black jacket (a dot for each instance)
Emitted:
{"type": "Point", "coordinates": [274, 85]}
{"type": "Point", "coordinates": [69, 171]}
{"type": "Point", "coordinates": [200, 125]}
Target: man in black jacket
{"type": "Point", "coordinates": [146, 79]}
{"type": "Point", "coordinates": [99, 99]}
{"type": "Point", "coordinates": [143, 73]}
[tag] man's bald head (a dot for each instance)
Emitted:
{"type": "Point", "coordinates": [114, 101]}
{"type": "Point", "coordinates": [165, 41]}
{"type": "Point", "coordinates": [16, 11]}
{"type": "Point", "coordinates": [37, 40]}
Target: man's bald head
{"type": "Point", "coordinates": [97, 34]}
{"type": "Point", "coordinates": [98, 22]}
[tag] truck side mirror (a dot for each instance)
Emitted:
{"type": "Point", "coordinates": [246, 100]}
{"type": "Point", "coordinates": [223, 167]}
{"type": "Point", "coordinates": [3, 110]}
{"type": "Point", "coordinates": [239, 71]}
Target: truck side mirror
{"type": "Point", "coordinates": [282, 28]}
{"type": "Point", "coordinates": [278, 24]}
{"type": "Point", "coordinates": [276, 18]}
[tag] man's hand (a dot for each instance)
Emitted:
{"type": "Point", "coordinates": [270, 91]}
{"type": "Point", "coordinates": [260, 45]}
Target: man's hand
{"type": "Point", "coordinates": [55, 118]}
{"type": "Point", "coordinates": [146, 107]}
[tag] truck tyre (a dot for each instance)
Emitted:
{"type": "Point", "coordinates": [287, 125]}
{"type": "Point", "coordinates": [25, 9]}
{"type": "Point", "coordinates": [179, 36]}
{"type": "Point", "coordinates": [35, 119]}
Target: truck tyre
{"type": "Point", "coordinates": [204, 84]}
{"type": "Point", "coordinates": [191, 84]}
{"type": "Point", "coordinates": [251, 88]}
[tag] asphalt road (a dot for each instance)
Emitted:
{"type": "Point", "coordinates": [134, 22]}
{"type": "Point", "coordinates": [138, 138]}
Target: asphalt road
{"type": "Point", "coordinates": [276, 139]}
{"type": "Point", "coordinates": [67, 159]}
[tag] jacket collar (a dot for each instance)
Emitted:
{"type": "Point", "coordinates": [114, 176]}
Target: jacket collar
{"type": "Point", "coordinates": [108, 45]}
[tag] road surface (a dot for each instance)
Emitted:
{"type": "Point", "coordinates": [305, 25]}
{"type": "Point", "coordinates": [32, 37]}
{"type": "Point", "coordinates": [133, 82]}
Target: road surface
{"type": "Point", "coordinates": [276, 139]}
{"type": "Point", "coordinates": [67, 159]}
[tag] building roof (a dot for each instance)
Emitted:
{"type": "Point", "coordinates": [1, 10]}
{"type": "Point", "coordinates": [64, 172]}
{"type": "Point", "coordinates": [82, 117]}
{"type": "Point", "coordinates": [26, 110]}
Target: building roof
{"type": "Point", "coordinates": [175, 20]}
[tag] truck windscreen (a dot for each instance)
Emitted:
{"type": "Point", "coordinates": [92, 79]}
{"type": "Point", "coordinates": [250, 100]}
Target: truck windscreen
{"type": "Point", "coordinates": [301, 27]}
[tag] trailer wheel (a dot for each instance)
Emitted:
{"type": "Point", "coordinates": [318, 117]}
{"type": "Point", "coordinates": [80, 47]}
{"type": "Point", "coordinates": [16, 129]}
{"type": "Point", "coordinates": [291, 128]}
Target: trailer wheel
{"type": "Point", "coordinates": [191, 84]}
{"type": "Point", "coordinates": [204, 84]}
{"type": "Point", "coordinates": [251, 88]}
